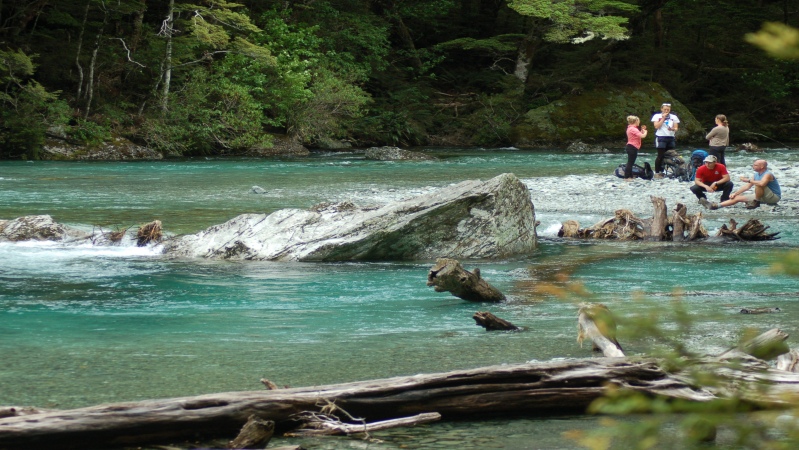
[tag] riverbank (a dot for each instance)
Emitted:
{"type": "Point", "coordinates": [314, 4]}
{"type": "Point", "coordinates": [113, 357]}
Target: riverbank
{"type": "Point", "coordinates": [604, 194]}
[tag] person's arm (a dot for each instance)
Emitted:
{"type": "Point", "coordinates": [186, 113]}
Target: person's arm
{"type": "Point", "coordinates": [698, 181]}
{"type": "Point", "coordinates": [659, 121]}
{"type": "Point", "coordinates": [763, 181]}
{"type": "Point", "coordinates": [712, 134]}
{"type": "Point", "coordinates": [675, 124]}
{"type": "Point", "coordinates": [643, 131]}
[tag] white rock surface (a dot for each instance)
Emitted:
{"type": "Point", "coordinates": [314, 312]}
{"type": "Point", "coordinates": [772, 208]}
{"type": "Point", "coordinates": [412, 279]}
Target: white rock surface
{"type": "Point", "coordinates": [471, 219]}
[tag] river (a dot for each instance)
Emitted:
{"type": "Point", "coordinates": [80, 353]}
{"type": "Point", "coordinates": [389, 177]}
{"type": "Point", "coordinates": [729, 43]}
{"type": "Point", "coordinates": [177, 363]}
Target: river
{"type": "Point", "coordinates": [82, 325]}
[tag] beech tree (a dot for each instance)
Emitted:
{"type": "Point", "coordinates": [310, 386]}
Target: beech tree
{"type": "Point", "coordinates": [574, 21]}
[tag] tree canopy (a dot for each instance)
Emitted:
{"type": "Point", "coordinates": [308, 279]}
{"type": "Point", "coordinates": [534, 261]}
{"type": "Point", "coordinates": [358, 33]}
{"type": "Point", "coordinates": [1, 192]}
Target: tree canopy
{"type": "Point", "coordinates": [217, 76]}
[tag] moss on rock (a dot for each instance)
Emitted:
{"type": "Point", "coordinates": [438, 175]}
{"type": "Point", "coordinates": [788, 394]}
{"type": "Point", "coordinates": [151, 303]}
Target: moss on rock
{"type": "Point", "coordinates": [600, 116]}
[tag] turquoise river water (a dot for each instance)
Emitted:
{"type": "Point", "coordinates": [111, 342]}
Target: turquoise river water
{"type": "Point", "coordinates": [83, 325]}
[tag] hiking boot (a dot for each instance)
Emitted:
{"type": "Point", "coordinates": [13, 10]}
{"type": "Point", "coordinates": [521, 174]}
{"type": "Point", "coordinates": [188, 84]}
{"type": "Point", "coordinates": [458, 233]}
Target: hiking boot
{"type": "Point", "coordinates": [714, 206]}
{"type": "Point", "coordinates": [703, 201]}
{"type": "Point", "coordinates": [659, 176]}
{"type": "Point", "coordinates": [753, 204]}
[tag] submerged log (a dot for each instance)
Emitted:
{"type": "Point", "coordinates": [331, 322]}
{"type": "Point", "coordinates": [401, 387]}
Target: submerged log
{"type": "Point", "coordinates": [516, 389]}
{"type": "Point", "coordinates": [760, 310]}
{"type": "Point", "coordinates": [447, 275]}
{"type": "Point", "coordinates": [752, 230]}
{"type": "Point", "coordinates": [493, 323]}
{"type": "Point", "coordinates": [596, 322]}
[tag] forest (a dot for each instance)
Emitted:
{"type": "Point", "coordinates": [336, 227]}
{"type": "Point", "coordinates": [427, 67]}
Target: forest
{"type": "Point", "coordinates": [216, 77]}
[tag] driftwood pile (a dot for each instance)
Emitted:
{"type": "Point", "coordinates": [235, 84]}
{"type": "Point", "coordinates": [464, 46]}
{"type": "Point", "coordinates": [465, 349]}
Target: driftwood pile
{"type": "Point", "coordinates": [678, 227]}
{"type": "Point", "coordinates": [149, 232]}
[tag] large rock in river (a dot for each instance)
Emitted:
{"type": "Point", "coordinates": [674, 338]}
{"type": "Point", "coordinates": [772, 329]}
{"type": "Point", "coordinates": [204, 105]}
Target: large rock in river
{"type": "Point", "coordinates": [38, 228]}
{"type": "Point", "coordinates": [471, 219]}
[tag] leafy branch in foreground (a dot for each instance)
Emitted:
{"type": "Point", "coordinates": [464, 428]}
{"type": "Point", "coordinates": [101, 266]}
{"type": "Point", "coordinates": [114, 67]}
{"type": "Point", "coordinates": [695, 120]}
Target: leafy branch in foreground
{"type": "Point", "coordinates": [741, 416]}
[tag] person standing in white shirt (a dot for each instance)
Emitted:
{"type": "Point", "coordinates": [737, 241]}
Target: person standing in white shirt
{"type": "Point", "coordinates": [666, 126]}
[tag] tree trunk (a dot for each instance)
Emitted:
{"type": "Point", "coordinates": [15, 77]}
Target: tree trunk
{"type": "Point", "coordinates": [93, 64]}
{"type": "Point", "coordinates": [448, 275]}
{"type": "Point", "coordinates": [256, 433]}
{"type": "Point", "coordinates": [527, 50]}
{"type": "Point", "coordinates": [78, 51]}
{"type": "Point", "coordinates": [167, 64]}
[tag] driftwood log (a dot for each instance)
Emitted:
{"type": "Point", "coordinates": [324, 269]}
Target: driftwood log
{"type": "Point", "coordinates": [447, 275]}
{"type": "Point", "coordinates": [752, 230]}
{"type": "Point", "coordinates": [493, 323]}
{"type": "Point", "coordinates": [596, 322]}
{"type": "Point", "coordinates": [523, 389]}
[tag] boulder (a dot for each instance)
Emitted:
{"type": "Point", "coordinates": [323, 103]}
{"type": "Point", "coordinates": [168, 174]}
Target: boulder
{"type": "Point", "coordinates": [115, 149]}
{"type": "Point", "coordinates": [471, 219]}
{"type": "Point", "coordinates": [38, 228]}
{"type": "Point", "coordinates": [395, 154]}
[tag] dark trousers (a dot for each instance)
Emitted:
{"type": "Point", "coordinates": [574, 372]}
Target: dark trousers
{"type": "Point", "coordinates": [718, 152]}
{"type": "Point", "coordinates": [663, 143]}
{"type": "Point", "coordinates": [725, 188]}
{"type": "Point", "coordinates": [632, 154]}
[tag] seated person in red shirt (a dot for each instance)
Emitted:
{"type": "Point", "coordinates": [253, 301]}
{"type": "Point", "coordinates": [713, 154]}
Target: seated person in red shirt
{"type": "Point", "coordinates": [711, 177]}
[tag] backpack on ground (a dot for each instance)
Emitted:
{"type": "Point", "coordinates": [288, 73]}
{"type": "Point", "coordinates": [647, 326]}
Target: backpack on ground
{"type": "Point", "coordinates": [645, 172]}
{"type": "Point", "coordinates": [675, 166]}
{"type": "Point", "coordinates": [697, 159]}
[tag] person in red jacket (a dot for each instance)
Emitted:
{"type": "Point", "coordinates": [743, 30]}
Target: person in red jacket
{"type": "Point", "coordinates": [711, 177]}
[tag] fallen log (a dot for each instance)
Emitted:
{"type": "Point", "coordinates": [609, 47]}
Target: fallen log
{"type": "Point", "coordinates": [752, 230]}
{"type": "Point", "coordinates": [515, 389]}
{"type": "Point", "coordinates": [448, 275]}
{"type": "Point", "coordinates": [493, 323]}
{"type": "Point", "coordinates": [789, 361]}
{"type": "Point", "coordinates": [596, 322]}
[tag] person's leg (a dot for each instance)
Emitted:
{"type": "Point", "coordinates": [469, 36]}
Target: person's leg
{"type": "Point", "coordinates": [713, 151]}
{"type": "Point", "coordinates": [632, 154]}
{"type": "Point", "coordinates": [659, 159]}
{"type": "Point", "coordinates": [726, 190]}
{"type": "Point", "coordinates": [769, 197]}
{"type": "Point", "coordinates": [721, 156]}
{"type": "Point", "coordinates": [699, 191]}
{"type": "Point", "coordinates": [737, 199]}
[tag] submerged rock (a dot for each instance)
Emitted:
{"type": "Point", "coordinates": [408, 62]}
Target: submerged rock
{"type": "Point", "coordinates": [38, 228]}
{"type": "Point", "coordinates": [395, 154]}
{"type": "Point", "coordinates": [471, 219]}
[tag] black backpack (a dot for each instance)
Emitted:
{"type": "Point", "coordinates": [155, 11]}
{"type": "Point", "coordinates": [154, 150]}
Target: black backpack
{"type": "Point", "coordinates": [645, 172]}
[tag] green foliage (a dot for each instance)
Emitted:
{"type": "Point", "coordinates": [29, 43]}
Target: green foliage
{"type": "Point", "coordinates": [89, 133]}
{"type": "Point", "coordinates": [211, 115]}
{"type": "Point", "coordinates": [779, 40]}
{"type": "Point", "coordinates": [577, 20]}
{"type": "Point", "coordinates": [212, 22]}
{"type": "Point", "coordinates": [649, 422]}
{"type": "Point", "coordinates": [27, 109]}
